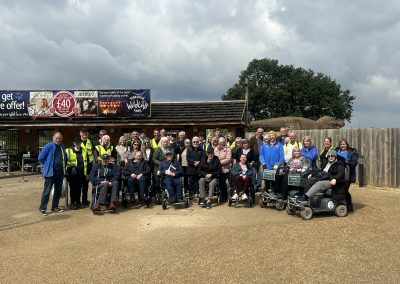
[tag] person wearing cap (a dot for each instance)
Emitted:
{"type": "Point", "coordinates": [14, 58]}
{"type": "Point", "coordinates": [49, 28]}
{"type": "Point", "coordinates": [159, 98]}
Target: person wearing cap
{"type": "Point", "coordinates": [106, 177]}
{"type": "Point", "coordinates": [335, 179]}
{"type": "Point", "coordinates": [76, 172]}
{"type": "Point", "coordinates": [101, 134]}
{"type": "Point", "coordinates": [54, 160]}
{"type": "Point", "coordinates": [209, 171]}
{"type": "Point", "coordinates": [137, 172]}
{"type": "Point", "coordinates": [89, 151]}
{"type": "Point", "coordinates": [171, 172]}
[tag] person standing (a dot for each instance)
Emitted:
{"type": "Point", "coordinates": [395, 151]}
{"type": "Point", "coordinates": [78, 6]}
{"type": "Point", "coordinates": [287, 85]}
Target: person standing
{"type": "Point", "coordinates": [54, 159]}
{"type": "Point", "coordinates": [88, 150]}
{"type": "Point", "coordinates": [76, 169]}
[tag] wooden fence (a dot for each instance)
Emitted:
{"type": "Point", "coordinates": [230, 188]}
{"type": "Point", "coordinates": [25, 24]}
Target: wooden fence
{"type": "Point", "coordinates": [378, 146]}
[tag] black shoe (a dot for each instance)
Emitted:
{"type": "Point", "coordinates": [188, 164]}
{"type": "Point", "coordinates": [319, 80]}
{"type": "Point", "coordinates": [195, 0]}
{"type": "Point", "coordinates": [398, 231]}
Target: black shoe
{"type": "Point", "coordinates": [73, 207]}
{"type": "Point", "coordinates": [85, 202]}
{"type": "Point", "coordinates": [302, 199]}
{"type": "Point", "coordinates": [208, 204]}
{"type": "Point", "coordinates": [57, 210]}
{"type": "Point", "coordinates": [201, 201]}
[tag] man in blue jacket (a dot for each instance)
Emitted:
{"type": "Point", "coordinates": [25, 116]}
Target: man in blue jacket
{"type": "Point", "coordinates": [54, 160]}
{"type": "Point", "coordinates": [271, 153]}
{"type": "Point", "coordinates": [172, 171]}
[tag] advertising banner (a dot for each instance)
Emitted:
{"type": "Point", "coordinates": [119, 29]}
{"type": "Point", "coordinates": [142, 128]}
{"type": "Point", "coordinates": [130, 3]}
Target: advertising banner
{"type": "Point", "coordinates": [124, 103]}
{"type": "Point", "coordinates": [74, 103]}
{"type": "Point", "coordinates": [14, 104]}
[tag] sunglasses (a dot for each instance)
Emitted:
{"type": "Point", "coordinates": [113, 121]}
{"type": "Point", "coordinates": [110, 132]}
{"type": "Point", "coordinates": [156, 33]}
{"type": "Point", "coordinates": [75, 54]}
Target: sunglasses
{"type": "Point", "coordinates": [196, 142]}
{"type": "Point", "coordinates": [329, 156]}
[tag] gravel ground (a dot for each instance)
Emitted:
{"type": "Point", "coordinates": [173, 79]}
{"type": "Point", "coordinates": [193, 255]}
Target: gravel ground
{"type": "Point", "coordinates": [226, 245]}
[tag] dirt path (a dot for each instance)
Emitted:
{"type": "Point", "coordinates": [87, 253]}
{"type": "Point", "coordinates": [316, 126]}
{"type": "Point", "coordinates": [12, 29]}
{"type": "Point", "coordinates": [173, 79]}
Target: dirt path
{"type": "Point", "coordinates": [236, 245]}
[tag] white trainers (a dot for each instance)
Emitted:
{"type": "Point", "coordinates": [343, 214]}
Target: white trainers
{"type": "Point", "coordinates": [244, 196]}
{"type": "Point", "coordinates": [235, 196]}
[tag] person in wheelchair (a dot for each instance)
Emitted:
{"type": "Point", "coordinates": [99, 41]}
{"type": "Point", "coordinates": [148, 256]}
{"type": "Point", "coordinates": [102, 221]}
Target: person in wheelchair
{"type": "Point", "coordinates": [106, 177]}
{"type": "Point", "coordinates": [295, 165]}
{"type": "Point", "coordinates": [209, 171]}
{"type": "Point", "coordinates": [171, 172]}
{"type": "Point", "coordinates": [242, 173]}
{"type": "Point", "coordinates": [136, 172]}
{"type": "Point", "coordinates": [333, 176]}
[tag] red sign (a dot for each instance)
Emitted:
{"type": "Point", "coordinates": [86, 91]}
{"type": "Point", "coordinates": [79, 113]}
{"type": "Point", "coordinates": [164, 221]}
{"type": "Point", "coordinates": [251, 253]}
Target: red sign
{"type": "Point", "coordinates": [64, 104]}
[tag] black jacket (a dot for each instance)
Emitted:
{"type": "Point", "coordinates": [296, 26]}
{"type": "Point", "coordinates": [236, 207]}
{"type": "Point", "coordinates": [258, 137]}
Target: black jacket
{"type": "Point", "coordinates": [213, 168]}
{"type": "Point", "coordinates": [352, 162]}
{"type": "Point", "coordinates": [128, 170]}
{"type": "Point", "coordinates": [251, 157]}
{"type": "Point", "coordinates": [192, 155]}
{"type": "Point", "coordinates": [99, 174]}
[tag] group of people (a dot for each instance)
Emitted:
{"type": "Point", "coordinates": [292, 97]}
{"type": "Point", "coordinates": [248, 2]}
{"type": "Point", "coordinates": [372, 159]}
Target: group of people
{"type": "Point", "coordinates": [177, 162]}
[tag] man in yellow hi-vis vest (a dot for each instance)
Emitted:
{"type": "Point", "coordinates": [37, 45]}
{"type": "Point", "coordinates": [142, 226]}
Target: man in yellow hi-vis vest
{"type": "Point", "coordinates": [88, 150]}
{"type": "Point", "coordinates": [155, 142]}
{"type": "Point", "coordinates": [76, 172]}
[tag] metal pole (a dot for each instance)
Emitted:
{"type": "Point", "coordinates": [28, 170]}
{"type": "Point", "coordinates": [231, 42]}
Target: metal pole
{"type": "Point", "coordinates": [361, 171]}
{"type": "Point", "coordinates": [8, 164]}
{"type": "Point", "coordinates": [23, 171]}
{"type": "Point", "coordinates": [246, 97]}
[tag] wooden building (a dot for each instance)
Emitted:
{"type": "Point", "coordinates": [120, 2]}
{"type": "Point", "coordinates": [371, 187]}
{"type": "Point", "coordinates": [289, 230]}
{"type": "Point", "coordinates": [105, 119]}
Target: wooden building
{"type": "Point", "coordinates": [191, 117]}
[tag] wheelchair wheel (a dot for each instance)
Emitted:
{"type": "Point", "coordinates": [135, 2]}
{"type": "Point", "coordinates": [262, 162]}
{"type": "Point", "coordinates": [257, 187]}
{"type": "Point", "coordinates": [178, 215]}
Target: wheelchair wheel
{"type": "Point", "coordinates": [306, 213]}
{"type": "Point", "coordinates": [341, 210]}
{"type": "Point", "coordinates": [159, 199]}
{"type": "Point", "coordinates": [164, 204]}
{"type": "Point", "coordinates": [186, 202]}
{"type": "Point", "coordinates": [280, 205]}
{"type": "Point", "coordinates": [290, 211]}
{"type": "Point", "coordinates": [250, 202]}
{"type": "Point", "coordinates": [261, 203]}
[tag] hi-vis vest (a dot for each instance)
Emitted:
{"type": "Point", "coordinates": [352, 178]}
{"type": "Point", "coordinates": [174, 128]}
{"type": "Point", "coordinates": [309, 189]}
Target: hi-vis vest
{"type": "Point", "coordinates": [87, 151]}
{"type": "Point", "coordinates": [154, 144]}
{"type": "Point", "coordinates": [73, 160]}
{"type": "Point", "coordinates": [100, 149]}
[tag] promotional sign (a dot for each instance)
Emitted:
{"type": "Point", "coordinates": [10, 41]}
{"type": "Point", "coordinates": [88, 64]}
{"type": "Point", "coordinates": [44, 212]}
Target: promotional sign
{"type": "Point", "coordinates": [14, 104]}
{"type": "Point", "coordinates": [124, 103]}
{"type": "Point", "coordinates": [75, 103]}
{"type": "Point", "coordinates": [86, 102]}
{"type": "Point", "coordinates": [41, 104]}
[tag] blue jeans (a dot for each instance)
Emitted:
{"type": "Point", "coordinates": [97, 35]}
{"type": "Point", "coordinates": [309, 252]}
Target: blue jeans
{"type": "Point", "coordinates": [170, 184]}
{"type": "Point", "coordinates": [57, 181]}
{"type": "Point", "coordinates": [134, 183]}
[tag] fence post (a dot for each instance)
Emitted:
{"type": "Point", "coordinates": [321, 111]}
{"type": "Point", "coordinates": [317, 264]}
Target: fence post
{"type": "Point", "coordinates": [361, 171]}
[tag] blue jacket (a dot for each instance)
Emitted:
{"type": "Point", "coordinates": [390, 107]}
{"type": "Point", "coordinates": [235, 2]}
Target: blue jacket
{"type": "Point", "coordinates": [310, 153]}
{"type": "Point", "coordinates": [46, 157]}
{"type": "Point", "coordinates": [97, 175]}
{"type": "Point", "coordinates": [165, 165]}
{"type": "Point", "coordinates": [271, 154]}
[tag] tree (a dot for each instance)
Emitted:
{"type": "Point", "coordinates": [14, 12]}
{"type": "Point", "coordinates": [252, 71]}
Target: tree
{"type": "Point", "coordinates": [282, 90]}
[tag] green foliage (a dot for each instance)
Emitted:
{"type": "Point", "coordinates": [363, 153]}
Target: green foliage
{"type": "Point", "coordinates": [282, 90]}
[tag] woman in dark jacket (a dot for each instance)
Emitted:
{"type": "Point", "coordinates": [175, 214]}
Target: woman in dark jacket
{"type": "Point", "coordinates": [350, 158]}
{"type": "Point", "coordinates": [194, 155]}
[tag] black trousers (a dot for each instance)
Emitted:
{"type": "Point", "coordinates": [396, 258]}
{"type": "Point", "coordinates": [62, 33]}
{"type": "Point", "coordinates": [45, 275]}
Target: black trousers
{"type": "Point", "coordinates": [86, 183]}
{"type": "Point", "coordinates": [76, 184]}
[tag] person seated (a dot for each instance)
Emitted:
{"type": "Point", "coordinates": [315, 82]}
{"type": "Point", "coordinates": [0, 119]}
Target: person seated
{"type": "Point", "coordinates": [136, 172]}
{"type": "Point", "coordinates": [242, 173]}
{"type": "Point", "coordinates": [171, 172]}
{"type": "Point", "coordinates": [105, 176]}
{"type": "Point", "coordinates": [295, 165]}
{"type": "Point", "coordinates": [335, 179]}
{"type": "Point", "coordinates": [209, 170]}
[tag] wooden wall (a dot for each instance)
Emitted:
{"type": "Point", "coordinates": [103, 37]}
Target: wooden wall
{"type": "Point", "coordinates": [379, 146]}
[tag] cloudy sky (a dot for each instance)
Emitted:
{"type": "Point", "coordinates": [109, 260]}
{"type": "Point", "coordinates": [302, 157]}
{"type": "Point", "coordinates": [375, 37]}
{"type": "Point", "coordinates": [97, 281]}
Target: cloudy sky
{"type": "Point", "coordinates": [195, 50]}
